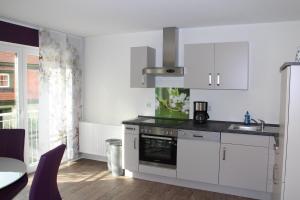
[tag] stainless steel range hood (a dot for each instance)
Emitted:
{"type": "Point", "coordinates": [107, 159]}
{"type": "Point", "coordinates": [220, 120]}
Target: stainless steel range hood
{"type": "Point", "coordinates": [170, 56]}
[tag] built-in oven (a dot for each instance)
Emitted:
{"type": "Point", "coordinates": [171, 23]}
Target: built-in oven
{"type": "Point", "coordinates": [158, 146]}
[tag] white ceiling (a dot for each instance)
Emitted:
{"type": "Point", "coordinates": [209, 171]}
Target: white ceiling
{"type": "Point", "coordinates": [99, 17]}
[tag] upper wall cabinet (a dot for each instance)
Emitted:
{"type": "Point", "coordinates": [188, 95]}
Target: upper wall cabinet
{"type": "Point", "coordinates": [231, 65]}
{"type": "Point", "coordinates": [216, 66]}
{"type": "Point", "coordinates": [199, 66]}
{"type": "Point", "coordinates": [141, 57]}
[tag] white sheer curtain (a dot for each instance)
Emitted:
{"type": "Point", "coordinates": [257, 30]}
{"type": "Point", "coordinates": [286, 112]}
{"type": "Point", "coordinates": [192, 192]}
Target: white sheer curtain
{"type": "Point", "coordinates": [60, 91]}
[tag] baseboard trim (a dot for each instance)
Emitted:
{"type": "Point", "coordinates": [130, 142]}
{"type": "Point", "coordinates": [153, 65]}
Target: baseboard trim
{"type": "Point", "coordinates": [201, 186]}
{"type": "Point", "coordinates": [92, 157]}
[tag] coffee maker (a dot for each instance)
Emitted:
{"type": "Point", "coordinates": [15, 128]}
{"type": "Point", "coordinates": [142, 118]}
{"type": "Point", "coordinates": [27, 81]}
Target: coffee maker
{"type": "Point", "coordinates": [200, 112]}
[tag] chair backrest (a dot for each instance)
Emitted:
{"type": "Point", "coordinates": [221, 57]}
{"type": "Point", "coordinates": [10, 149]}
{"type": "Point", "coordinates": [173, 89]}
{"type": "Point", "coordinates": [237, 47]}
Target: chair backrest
{"type": "Point", "coordinates": [44, 184]}
{"type": "Point", "coordinates": [12, 143]}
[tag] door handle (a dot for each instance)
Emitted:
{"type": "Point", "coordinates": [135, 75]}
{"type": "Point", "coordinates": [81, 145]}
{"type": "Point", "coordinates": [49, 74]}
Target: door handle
{"type": "Point", "coordinates": [224, 153]}
{"type": "Point", "coordinates": [156, 137]}
{"type": "Point", "coordinates": [134, 143]}
{"type": "Point", "coordinates": [218, 79]}
{"type": "Point", "coordinates": [209, 79]}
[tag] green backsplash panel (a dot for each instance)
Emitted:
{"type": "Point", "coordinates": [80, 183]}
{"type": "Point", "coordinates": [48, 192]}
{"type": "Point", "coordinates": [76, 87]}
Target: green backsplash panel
{"type": "Point", "coordinates": [172, 103]}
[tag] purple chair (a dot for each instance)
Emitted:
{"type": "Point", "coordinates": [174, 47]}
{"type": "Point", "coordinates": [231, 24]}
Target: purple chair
{"type": "Point", "coordinates": [12, 143]}
{"type": "Point", "coordinates": [12, 146]}
{"type": "Point", "coordinates": [44, 184]}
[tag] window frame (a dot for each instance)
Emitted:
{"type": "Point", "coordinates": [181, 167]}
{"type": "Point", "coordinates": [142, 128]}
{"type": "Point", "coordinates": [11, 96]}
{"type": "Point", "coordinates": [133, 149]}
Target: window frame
{"type": "Point", "coordinates": [8, 80]}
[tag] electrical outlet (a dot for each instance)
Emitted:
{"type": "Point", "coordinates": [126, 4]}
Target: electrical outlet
{"type": "Point", "coordinates": [148, 105]}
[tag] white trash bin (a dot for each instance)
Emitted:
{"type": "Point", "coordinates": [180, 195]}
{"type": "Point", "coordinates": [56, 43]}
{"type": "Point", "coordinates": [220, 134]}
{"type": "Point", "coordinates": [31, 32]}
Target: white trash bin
{"type": "Point", "coordinates": [107, 149]}
{"type": "Point", "coordinates": [116, 159]}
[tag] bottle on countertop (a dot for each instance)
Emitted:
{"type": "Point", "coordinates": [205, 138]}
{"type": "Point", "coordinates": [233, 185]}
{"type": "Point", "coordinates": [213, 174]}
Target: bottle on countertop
{"type": "Point", "coordinates": [247, 119]}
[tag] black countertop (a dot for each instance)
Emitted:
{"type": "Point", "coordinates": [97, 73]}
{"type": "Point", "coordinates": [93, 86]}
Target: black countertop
{"type": "Point", "coordinates": [188, 124]}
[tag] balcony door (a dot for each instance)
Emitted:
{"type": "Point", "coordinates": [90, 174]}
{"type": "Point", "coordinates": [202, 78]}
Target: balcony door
{"type": "Point", "coordinates": [19, 95]}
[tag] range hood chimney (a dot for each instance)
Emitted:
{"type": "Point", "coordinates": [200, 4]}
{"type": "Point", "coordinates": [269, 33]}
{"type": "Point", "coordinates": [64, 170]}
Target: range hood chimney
{"type": "Point", "coordinates": [170, 56]}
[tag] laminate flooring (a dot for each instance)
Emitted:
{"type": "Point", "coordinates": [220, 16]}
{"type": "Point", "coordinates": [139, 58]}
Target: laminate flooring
{"type": "Point", "coordinates": [89, 180]}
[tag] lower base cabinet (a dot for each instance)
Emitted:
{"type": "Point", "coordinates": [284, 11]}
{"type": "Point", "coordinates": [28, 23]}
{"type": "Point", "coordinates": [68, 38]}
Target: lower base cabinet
{"type": "Point", "coordinates": [244, 166]}
{"type": "Point", "coordinates": [228, 159]}
{"type": "Point", "coordinates": [198, 159]}
{"type": "Point", "coordinates": [131, 148]}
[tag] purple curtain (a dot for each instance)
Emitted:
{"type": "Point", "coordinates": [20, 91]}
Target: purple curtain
{"type": "Point", "coordinates": [18, 34]}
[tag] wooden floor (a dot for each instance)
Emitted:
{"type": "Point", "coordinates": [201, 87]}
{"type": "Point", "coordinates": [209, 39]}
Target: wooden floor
{"type": "Point", "coordinates": [87, 179]}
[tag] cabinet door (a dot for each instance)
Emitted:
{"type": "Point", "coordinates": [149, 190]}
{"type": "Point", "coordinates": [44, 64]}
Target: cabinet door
{"type": "Point", "coordinates": [244, 167]}
{"type": "Point", "coordinates": [198, 160]}
{"type": "Point", "coordinates": [231, 65]}
{"type": "Point", "coordinates": [131, 149]}
{"type": "Point", "coordinates": [199, 66]}
{"type": "Point", "coordinates": [141, 57]}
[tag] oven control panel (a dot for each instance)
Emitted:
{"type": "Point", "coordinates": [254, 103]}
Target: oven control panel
{"type": "Point", "coordinates": [159, 131]}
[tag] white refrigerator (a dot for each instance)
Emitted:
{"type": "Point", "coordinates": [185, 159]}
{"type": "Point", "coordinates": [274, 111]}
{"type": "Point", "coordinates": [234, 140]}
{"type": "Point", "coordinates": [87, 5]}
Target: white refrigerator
{"type": "Point", "coordinates": [286, 174]}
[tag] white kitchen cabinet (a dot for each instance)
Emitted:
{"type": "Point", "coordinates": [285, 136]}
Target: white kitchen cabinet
{"type": "Point", "coordinates": [242, 165]}
{"type": "Point", "coordinates": [199, 66]}
{"type": "Point", "coordinates": [131, 148]}
{"type": "Point", "coordinates": [216, 65]}
{"type": "Point", "coordinates": [231, 65]}
{"type": "Point", "coordinates": [287, 164]}
{"type": "Point", "coordinates": [141, 57]}
{"type": "Point", "coordinates": [198, 156]}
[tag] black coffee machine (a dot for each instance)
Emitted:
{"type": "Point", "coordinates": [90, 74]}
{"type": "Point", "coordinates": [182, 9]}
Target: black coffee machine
{"type": "Point", "coordinates": [200, 112]}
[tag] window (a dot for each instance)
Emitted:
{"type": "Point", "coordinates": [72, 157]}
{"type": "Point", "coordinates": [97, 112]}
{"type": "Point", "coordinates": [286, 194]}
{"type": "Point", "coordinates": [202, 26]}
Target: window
{"type": "Point", "coordinates": [4, 80]}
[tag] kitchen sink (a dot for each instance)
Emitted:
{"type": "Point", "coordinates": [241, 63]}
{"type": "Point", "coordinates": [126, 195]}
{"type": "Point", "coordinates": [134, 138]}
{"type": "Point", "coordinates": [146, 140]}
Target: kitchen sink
{"type": "Point", "coordinates": [239, 127]}
{"type": "Point", "coordinates": [243, 127]}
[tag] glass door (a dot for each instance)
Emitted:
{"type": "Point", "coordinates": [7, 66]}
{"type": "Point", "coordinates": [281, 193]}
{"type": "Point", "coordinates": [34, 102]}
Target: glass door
{"type": "Point", "coordinates": [31, 79]}
{"type": "Point", "coordinates": [9, 99]}
{"type": "Point", "coordinates": [19, 95]}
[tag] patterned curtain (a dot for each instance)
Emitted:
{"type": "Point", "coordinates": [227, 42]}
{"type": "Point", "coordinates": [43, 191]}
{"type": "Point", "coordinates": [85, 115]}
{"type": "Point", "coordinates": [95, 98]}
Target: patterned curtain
{"type": "Point", "coordinates": [60, 90]}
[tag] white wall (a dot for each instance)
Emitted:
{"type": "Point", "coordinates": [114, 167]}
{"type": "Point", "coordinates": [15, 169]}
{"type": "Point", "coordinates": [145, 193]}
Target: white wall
{"type": "Point", "coordinates": [109, 99]}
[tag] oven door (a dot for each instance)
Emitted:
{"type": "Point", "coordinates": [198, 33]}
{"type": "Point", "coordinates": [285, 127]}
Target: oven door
{"type": "Point", "coordinates": [158, 150]}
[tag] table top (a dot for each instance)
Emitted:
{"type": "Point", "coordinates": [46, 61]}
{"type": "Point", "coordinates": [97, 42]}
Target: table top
{"type": "Point", "coordinates": [11, 170]}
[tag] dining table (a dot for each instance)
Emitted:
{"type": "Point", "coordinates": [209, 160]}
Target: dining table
{"type": "Point", "coordinates": [11, 170]}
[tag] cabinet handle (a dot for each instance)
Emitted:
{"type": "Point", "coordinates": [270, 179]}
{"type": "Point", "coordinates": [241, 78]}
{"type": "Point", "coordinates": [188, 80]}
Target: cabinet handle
{"type": "Point", "coordinates": [143, 79]}
{"type": "Point", "coordinates": [209, 79]}
{"type": "Point", "coordinates": [155, 137]}
{"type": "Point", "coordinates": [275, 168]}
{"type": "Point", "coordinates": [198, 136]}
{"type": "Point", "coordinates": [224, 153]}
{"type": "Point", "coordinates": [130, 129]}
{"type": "Point", "coordinates": [134, 143]}
{"type": "Point", "coordinates": [218, 79]}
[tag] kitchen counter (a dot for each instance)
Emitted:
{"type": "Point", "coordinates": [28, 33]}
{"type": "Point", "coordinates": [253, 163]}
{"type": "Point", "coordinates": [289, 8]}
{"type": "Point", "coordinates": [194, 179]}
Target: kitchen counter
{"type": "Point", "coordinates": [188, 124]}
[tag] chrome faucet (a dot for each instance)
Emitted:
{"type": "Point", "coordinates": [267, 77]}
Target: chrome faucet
{"type": "Point", "coordinates": [254, 121]}
{"type": "Point", "coordinates": [262, 124]}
